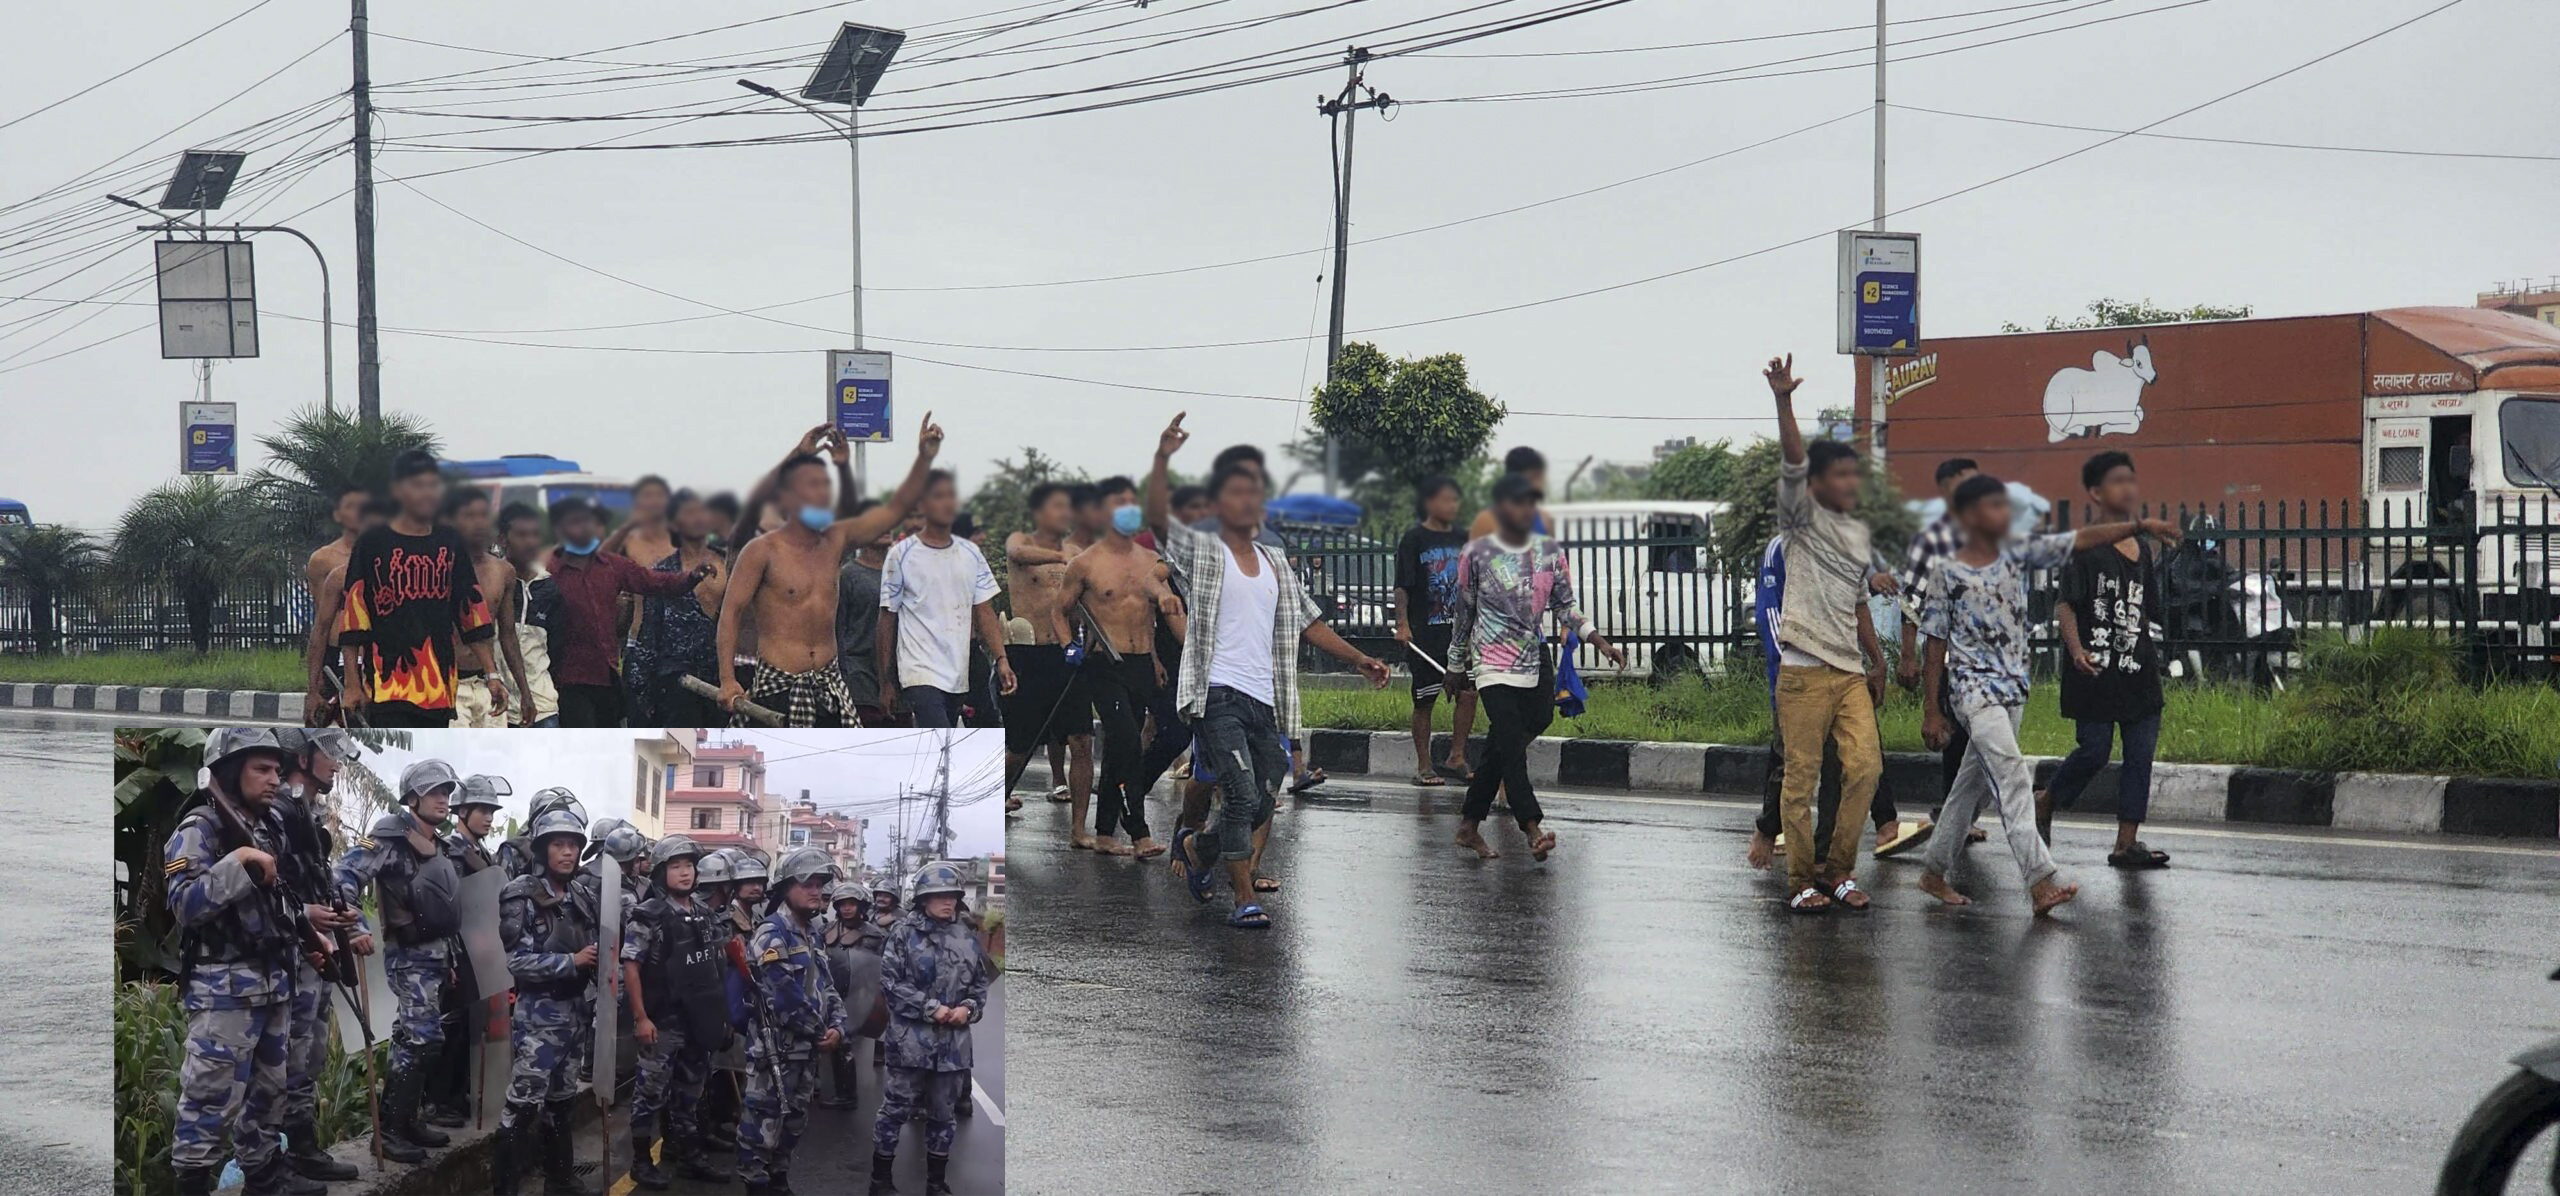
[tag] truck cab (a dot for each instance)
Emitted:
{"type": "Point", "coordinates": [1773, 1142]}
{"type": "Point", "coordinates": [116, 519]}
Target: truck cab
{"type": "Point", "coordinates": [1646, 574]}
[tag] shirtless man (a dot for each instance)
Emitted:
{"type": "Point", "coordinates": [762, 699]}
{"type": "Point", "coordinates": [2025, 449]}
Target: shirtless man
{"type": "Point", "coordinates": [320, 699]}
{"type": "Point", "coordinates": [762, 515]}
{"type": "Point", "coordinates": [1117, 589]}
{"type": "Point", "coordinates": [1048, 706]}
{"type": "Point", "coordinates": [1090, 520]}
{"type": "Point", "coordinates": [785, 585]}
{"type": "Point", "coordinates": [466, 510]}
{"type": "Point", "coordinates": [347, 511]}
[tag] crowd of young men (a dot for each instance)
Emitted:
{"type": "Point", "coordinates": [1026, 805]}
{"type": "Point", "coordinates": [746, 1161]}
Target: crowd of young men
{"type": "Point", "coordinates": [722, 962]}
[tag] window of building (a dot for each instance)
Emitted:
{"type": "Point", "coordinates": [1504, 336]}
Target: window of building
{"type": "Point", "coordinates": [799, 836]}
{"type": "Point", "coordinates": [706, 818]}
{"type": "Point", "coordinates": [706, 777]}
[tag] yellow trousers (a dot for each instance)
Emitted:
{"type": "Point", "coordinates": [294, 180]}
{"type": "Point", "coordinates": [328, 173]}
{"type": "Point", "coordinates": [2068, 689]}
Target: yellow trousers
{"type": "Point", "coordinates": [1817, 703]}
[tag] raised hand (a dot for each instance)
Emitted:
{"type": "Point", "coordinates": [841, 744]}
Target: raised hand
{"type": "Point", "coordinates": [837, 449]}
{"type": "Point", "coordinates": [1174, 437]}
{"type": "Point", "coordinates": [811, 439]}
{"type": "Point", "coordinates": [1782, 376]}
{"type": "Point", "coordinates": [929, 438]}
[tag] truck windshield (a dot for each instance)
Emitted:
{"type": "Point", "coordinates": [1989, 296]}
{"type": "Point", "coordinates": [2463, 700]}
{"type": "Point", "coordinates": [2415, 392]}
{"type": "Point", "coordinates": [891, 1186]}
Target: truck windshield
{"type": "Point", "coordinates": [2530, 432]}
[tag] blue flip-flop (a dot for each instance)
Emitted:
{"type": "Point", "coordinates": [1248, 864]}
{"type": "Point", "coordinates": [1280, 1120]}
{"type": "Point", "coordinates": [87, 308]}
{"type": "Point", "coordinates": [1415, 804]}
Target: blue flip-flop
{"type": "Point", "coordinates": [1243, 912]}
{"type": "Point", "coordinates": [1196, 877]}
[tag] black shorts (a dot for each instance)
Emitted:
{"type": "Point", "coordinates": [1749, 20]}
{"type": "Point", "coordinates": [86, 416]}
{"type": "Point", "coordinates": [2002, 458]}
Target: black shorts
{"type": "Point", "coordinates": [1043, 684]}
{"type": "Point", "coordinates": [1431, 641]}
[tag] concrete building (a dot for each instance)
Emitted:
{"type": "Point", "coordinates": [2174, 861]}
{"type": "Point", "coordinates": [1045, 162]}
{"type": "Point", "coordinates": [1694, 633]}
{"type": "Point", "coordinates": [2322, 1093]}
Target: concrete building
{"type": "Point", "coordinates": [2525, 297]}
{"type": "Point", "coordinates": [659, 759]}
{"type": "Point", "coordinates": [719, 798]}
{"type": "Point", "coordinates": [840, 835]}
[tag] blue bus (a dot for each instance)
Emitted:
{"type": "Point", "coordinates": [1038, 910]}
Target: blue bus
{"type": "Point", "coordinates": [538, 480]}
{"type": "Point", "coordinates": [13, 514]}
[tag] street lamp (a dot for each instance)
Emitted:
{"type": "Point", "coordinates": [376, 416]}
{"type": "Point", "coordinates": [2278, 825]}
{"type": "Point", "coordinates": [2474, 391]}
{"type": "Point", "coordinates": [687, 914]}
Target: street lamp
{"type": "Point", "coordinates": [848, 72]}
{"type": "Point", "coordinates": [200, 184]}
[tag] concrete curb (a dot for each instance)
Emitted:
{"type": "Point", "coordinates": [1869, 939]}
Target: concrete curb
{"type": "Point", "coordinates": [250, 704]}
{"type": "Point", "coordinates": [2501, 807]}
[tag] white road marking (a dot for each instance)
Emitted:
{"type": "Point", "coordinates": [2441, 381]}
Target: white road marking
{"type": "Point", "coordinates": [986, 1104]}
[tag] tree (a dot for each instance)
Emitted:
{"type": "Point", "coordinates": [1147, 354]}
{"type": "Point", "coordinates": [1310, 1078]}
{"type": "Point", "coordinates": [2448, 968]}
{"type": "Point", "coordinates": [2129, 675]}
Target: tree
{"type": "Point", "coordinates": [317, 454]}
{"type": "Point", "coordinates": [1751, 493]}
{"type": "Point", "coordinates": [51, 565]}
{"type": "Point", "coordinates": [1400, 420]}
{"type": "Point", "coordinates": [2116, 313]}
{"type": "Point", "coordinates": [1697, 472]}
{"type": "Point", "coordinates": [201, 536]}
{"type": "Point", "coordinates": [1003, 503]}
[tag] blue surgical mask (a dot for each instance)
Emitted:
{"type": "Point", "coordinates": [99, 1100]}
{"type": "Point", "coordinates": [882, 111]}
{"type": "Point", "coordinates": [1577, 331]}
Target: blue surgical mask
{"type": "Point", "coordinates": [587, 548]}
{"type": "Point", "coordinates": [816, 519]}
{"type": "Point", "coordinates": [1127, 520]}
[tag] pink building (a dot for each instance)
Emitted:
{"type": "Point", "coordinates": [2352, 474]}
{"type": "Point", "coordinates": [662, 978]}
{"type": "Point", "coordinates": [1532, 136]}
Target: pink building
{"type": "Point", "coordinates": [719, 799]}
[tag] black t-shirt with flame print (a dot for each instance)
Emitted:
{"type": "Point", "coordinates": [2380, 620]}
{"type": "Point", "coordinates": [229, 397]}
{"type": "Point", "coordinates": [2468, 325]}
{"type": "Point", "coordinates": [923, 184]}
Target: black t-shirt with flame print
{"type": "Point", "coordinates": [408, 600]}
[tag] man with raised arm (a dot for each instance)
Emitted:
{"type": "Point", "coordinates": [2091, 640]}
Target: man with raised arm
{"type": "Point", "coordinates": [785, 583]}
{"type": "Point", "coordinates": [1118, 590]}
{"type": "Point", "coordinates": [1239, 685]}
{"type": "Point", "coordinates": [1049, 706]}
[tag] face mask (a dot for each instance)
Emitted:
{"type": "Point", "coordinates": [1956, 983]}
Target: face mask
{"type": "Point", "coordinates": [816, 519]}
{"type": "Point", "coordinates": [1127, 520]}
{"type": "Point", "coordinates": [586, 547]}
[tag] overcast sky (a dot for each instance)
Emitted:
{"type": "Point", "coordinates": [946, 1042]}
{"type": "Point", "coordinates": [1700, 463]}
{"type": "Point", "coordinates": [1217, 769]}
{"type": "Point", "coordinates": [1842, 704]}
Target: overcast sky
{"type": "Point", "coordinates": [1229, 175]}
{"type": "Point", "coordinates": [851, 771]}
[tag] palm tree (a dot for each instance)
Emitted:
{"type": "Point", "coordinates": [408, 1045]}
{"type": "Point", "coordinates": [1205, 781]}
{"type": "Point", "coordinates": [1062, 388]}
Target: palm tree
{"type": "Point", "coordinates": [316, 454]}
{"type": "Point", "coordinates": [52, 565]}
{"type": "Point", "coordinates": [201, 536]}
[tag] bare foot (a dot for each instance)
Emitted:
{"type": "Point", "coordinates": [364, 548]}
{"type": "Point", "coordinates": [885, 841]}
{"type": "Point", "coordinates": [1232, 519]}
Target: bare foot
{"type": "Point", "coordinates": [1935, 884]}
{"type": "Point", "coordinates": [1081, 841]}
{"type": "Point", "coordinates": [1763, 850]}
{"type": "Point", "coordinates": [1473, 841]}
{"type": "Point", "coordinates": [1541, 841]}
{"type": "Point", "coordinates": [1148, 848]}
{"type": "Point", "coordinates": [2048, 895]}
{"type": "Point", "coordinates": [1106, 845]}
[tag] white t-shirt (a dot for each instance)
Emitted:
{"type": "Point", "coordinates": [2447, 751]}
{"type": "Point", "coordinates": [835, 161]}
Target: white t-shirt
{"type": "Point", "coordinates": [935, 593]}
{"type": "Point", "coordinates": [1247, 607]}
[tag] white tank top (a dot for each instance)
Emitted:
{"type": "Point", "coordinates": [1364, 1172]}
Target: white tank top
{"type": "Point", "coordinates": [1246, 608]}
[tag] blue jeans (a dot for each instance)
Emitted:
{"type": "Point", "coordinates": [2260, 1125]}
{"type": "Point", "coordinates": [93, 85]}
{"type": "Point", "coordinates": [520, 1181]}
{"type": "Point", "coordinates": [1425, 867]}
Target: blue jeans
{"type": "Point", "coordinates": [1242, 738]}
{"type": "Point", "coordinates": [2133, 781]}
{"type": "Point", "coordinates": [933, 707]}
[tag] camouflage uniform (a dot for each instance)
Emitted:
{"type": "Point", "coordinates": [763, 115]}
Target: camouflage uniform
{"type": "Point", "coordinates": [416, 970]}
{"type": "Point", "coordinates": [307, 1051]}
{"type": "Point", "coordinates": [672, 1072]}
{"type": "Point", "coordinates": [798, 993]}
{"type": "Point", "coordinates": [543, 928]}
{"type": "Point", "coordinates": [930, 965]}
{"type": "Point", "coordinates": [237, 991]}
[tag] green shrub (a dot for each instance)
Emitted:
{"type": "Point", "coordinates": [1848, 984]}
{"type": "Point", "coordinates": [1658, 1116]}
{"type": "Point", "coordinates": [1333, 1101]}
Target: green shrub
{"type": "Point", "coordinates": [2395, 702]}
{"type": "Point", "coordinates": [151, 1033]}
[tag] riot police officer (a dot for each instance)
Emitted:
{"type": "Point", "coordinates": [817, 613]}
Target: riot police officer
{"type": "Point", "coordinates": [935, 977]}
{"type": "Point", "coordinates": [317, 756]}
{"type": "Point", "coordinates": [801, 1018]}
{"type": "Point", "coordinates": [241, 934]}
{"type": "Point", "coordinates": [718, 1115]}
{"type": "Point", "coordinates": [551, 949]}
{"type": "Point", "coordinates": [448, 1088]}
{"type": "Point", "coordinates": [852, 931]}
{"type": "Point", "coordinates": [516, 854]}
{"type": "Point", "coordinates": [679, 1012]}
{"type": "Point", "coordinates": [414, 889]}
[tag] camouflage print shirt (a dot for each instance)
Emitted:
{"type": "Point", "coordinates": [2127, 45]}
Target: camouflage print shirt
{"type": "Point", "coordinates": [244, 955]}
{"type": "Point", "coordinates": [534, 919]}
{"type": "Point", "coordinates": [931, 965]}
{"type": "Point", "coordinates": [387, 846]}
{"type": "Point", "coordinates": [798, 987]}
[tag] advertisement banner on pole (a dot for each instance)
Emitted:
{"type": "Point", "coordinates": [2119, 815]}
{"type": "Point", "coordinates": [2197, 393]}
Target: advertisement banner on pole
{"type": "Point", "coordinates": [858, 395]}
{"type": "Point", "coordinates": [208, 438]}
{"type": "Point", "coordinates": [1879, 293]}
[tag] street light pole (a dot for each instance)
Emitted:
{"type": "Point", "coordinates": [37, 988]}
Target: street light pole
{"type": "Point", "coordinates": [1346, 108]}
{"type": "Point", "coordinates": [1878, 390]}
{"type": "Point", "coordinates": [328, 328]}
{"type": "Point", "coordinates": [851, 127]}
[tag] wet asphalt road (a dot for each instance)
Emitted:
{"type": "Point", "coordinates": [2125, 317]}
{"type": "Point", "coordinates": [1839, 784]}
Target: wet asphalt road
{"type": "Point", "coordinates": [2283, 1012]}
{"type": "Point", "coordinates": [56, 1102]}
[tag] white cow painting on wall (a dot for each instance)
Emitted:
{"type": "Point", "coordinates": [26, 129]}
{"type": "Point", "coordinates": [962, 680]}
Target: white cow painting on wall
{"type": "Point", "coordinates": [2104, 399]}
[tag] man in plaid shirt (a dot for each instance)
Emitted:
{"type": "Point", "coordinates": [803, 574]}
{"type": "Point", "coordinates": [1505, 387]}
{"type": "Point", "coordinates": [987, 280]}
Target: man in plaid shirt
{"type": "Point", "coordinates": [1239, 684]}
{"type": "Point", "coordinates": [1938, 540]}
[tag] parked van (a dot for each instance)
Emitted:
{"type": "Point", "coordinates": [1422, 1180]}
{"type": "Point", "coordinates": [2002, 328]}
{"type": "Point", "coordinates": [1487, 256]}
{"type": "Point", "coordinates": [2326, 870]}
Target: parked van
{"type": "Point", "coordinates": [537, 481]}
{"type": "Point", "coordinates": [1645, 573]}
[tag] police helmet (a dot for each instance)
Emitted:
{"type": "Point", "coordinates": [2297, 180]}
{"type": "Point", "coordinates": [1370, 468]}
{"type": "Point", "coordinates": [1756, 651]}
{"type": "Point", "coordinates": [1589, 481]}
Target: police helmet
{"type": "Point", "coordinates": [483, 789]}
{"type": "Point", "coordinates": [557, 822]}
{"type": "Point", "coordinates": [616, 838]}
{"type": "Point", "coordinates": [712, 868]}
{"type": "Point", "coordinates": [744, 867]}
{"type": "Point", "coordinates": [557, 798]}
{"type": "Point", "coordinates": [882, 882]}
{"type": "Point", "coordinates": [804, 863]}
{"type": "Point", "coordinates": [848, 889]}
{"type": "Point", "coordinates": [672, 848]}
{"type": "Point", "coordinates": [226, 742]}
{"type": "Point", "coordinates": [426, 775]}
{"type": "Point", "coordinates": [938, 877]}
{"type": "Point", "coordinates": [327, 741]}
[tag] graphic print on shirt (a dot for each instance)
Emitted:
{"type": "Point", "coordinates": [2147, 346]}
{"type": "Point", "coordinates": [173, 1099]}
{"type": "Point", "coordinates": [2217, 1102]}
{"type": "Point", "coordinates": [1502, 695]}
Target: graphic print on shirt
{"type": "Point", "coordinates": [400, 606]}
{"type": "Point", "coordinates": [1440, 573]}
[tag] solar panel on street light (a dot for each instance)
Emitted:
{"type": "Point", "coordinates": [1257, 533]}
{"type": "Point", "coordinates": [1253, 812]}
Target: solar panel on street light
{"type": "Point", "coordinates": [202, 182]}
{"type": "Point", "coordinates": [853, 65]}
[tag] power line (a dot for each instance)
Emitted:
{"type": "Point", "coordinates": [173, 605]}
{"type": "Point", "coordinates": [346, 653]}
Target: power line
{"type": "Point", "coordinates": [1736, 41]}
{"type": "Point", "coordinates": [2292, 145]}
{"type": "Point", "coordinates": [120, 75]}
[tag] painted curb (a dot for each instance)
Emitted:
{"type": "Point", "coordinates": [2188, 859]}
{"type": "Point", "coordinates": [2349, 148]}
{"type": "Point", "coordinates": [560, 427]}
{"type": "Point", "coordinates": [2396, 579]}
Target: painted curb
{"type": "Point", "coordinates": [2488, 806]}
{"type": "Point", "coordinates": [212, 704]}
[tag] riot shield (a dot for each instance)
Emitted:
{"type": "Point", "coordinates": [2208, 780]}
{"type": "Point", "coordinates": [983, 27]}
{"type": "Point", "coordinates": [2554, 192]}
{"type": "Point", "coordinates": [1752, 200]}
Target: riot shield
{"type": "Point", "coordinates": [378, 1001]}
{"type": "Point", "coordinates": [865, 1009]}
{"type": "Point", "coordinates": [609, 972]}
{"type": "Point", "coordinates": [485, 973]}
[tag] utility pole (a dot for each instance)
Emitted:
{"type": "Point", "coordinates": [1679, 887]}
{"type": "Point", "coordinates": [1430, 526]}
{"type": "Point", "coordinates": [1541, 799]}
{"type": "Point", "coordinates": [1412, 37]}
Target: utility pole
{"type": "Point", "coordinates": [1343, 108]}
{"type": "Point", "coordinates": [368, 341]}
{"type": "Point", "coordinates": [942, 802]}
{"type": "Point", "coordinates": [1878, 391]}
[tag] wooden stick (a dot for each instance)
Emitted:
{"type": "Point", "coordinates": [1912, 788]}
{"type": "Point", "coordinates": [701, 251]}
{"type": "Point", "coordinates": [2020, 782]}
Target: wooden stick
{"type": "Point", "coordinates": [372, 1086]}
{"type": "Point", "coordinates": [761, 714]}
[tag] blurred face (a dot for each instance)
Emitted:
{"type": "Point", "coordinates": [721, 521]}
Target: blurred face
{"type": "Point", "coordinates": [1240, 501]}
{"type": "Point", "coordinates": [419, 494]}
{"type": "Point", "coordinates": [473, 522]}
{"type": "Point", "coordinates": [649, 503]}
{"type": "Point", "coordinates": [849, 910]}
{"type": "Point", "coordinates": [560, 855]}
{"type": "Point", "coordinates": [1192, 511]}
{"type": "Point", "coordinates": [435, 803]}
{"type": "Point", "coordinates": [1947, 489]}
{"type": "Point", "coordinates": [807, 486]}
{"type": "Point", "coordinates": [370, 520]}
{"type": "Point", "coordinates": [2117, 491]}
{"type": "Point", "coordinates": [523, 540]}
{"type": "Point", "coordinates": [913, 523]}
{"type": "Point", "coordinates": [807, 897]}
{"type": "Point", "coordinates": [577, 527]}
{"type": "Point", "coordinates": [941, 907]}
{"type": "Point", "coordinates": [1836, 486]}
{"type": "Point", "coordinates": [694, 522]}
{"type": "Point", "coordinates": [349, 513]}
{"type": "Point", "coordinates": [941, 503]}
{"type": "Point", "coordinates": [1112, 503]}
{"type": "Point", "coordinates": [1092, 520]}
{"type": "Point", "coordinates": [1537, 477]}
{"type": "Point", "coordinates": [1516, 515]}
{"type": "Point", "coordinates": [1443, 506]}
{"type": "Point", "coordinates": [1055, 514]}
{"type": "Point", "coordinates": [1987, 520]}
{"type": "Point", "coordinates": [750, 891]}
{"type": "Point", "coordinates": [677, 876]}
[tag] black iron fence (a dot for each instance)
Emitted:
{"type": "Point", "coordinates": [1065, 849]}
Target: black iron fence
{"type": "Point", "coordinates": [151, 617]}
{"type": "Point", "coordinates": [2238, 596]}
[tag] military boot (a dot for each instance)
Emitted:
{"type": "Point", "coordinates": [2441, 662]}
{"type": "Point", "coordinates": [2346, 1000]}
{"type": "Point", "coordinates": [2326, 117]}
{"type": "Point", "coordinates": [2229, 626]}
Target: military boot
{"type": "Point", "coordinates": [644, 1166]}
{"type": "Point", "coordinates": [693, 1162]}
{"type": "Point", "coordinates": [507, 1155]}
{"type": "Point", "coordinates": [937, 1175]}
{"type": "Point", "coordinates": [195, 1181]}
{"type": "Point", "coordinates": [400, 1109]}
{"type": "Point", "coordinates": [302, 1150]}
{"type": "Point", "coordinates": [882, 1183]}
{"type": "Point", "coordinates": [440, 1105]}
{"type": "Point", "coordinates": [559, 1153]}
{"type": "Point", "coordinates": [276, 1177]}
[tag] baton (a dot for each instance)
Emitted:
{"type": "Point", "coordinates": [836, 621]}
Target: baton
{"type": "Point", "coordinates": [760, 714]}
{"type": "Point", "coordinates": [1425, 657]}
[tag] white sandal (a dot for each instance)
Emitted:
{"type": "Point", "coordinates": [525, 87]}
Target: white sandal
{"type": "Point", "coordinates": [1797, 903]}
{"type": "Point", "coordinates": [1840, 896]}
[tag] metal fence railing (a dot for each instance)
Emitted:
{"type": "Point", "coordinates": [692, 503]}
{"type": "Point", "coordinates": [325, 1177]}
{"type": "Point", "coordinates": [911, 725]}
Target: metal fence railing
{"type": "Point", "coordinates": [151, 617]}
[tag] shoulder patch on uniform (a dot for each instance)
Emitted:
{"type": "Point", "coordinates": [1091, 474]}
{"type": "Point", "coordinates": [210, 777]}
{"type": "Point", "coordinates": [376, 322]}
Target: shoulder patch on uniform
{"type": "Point", "coordinates": [771, 957]}
{"type": "Point", "coordinates": [365, 842]}
{"type": "Point", "coordinates": [177, 865]}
